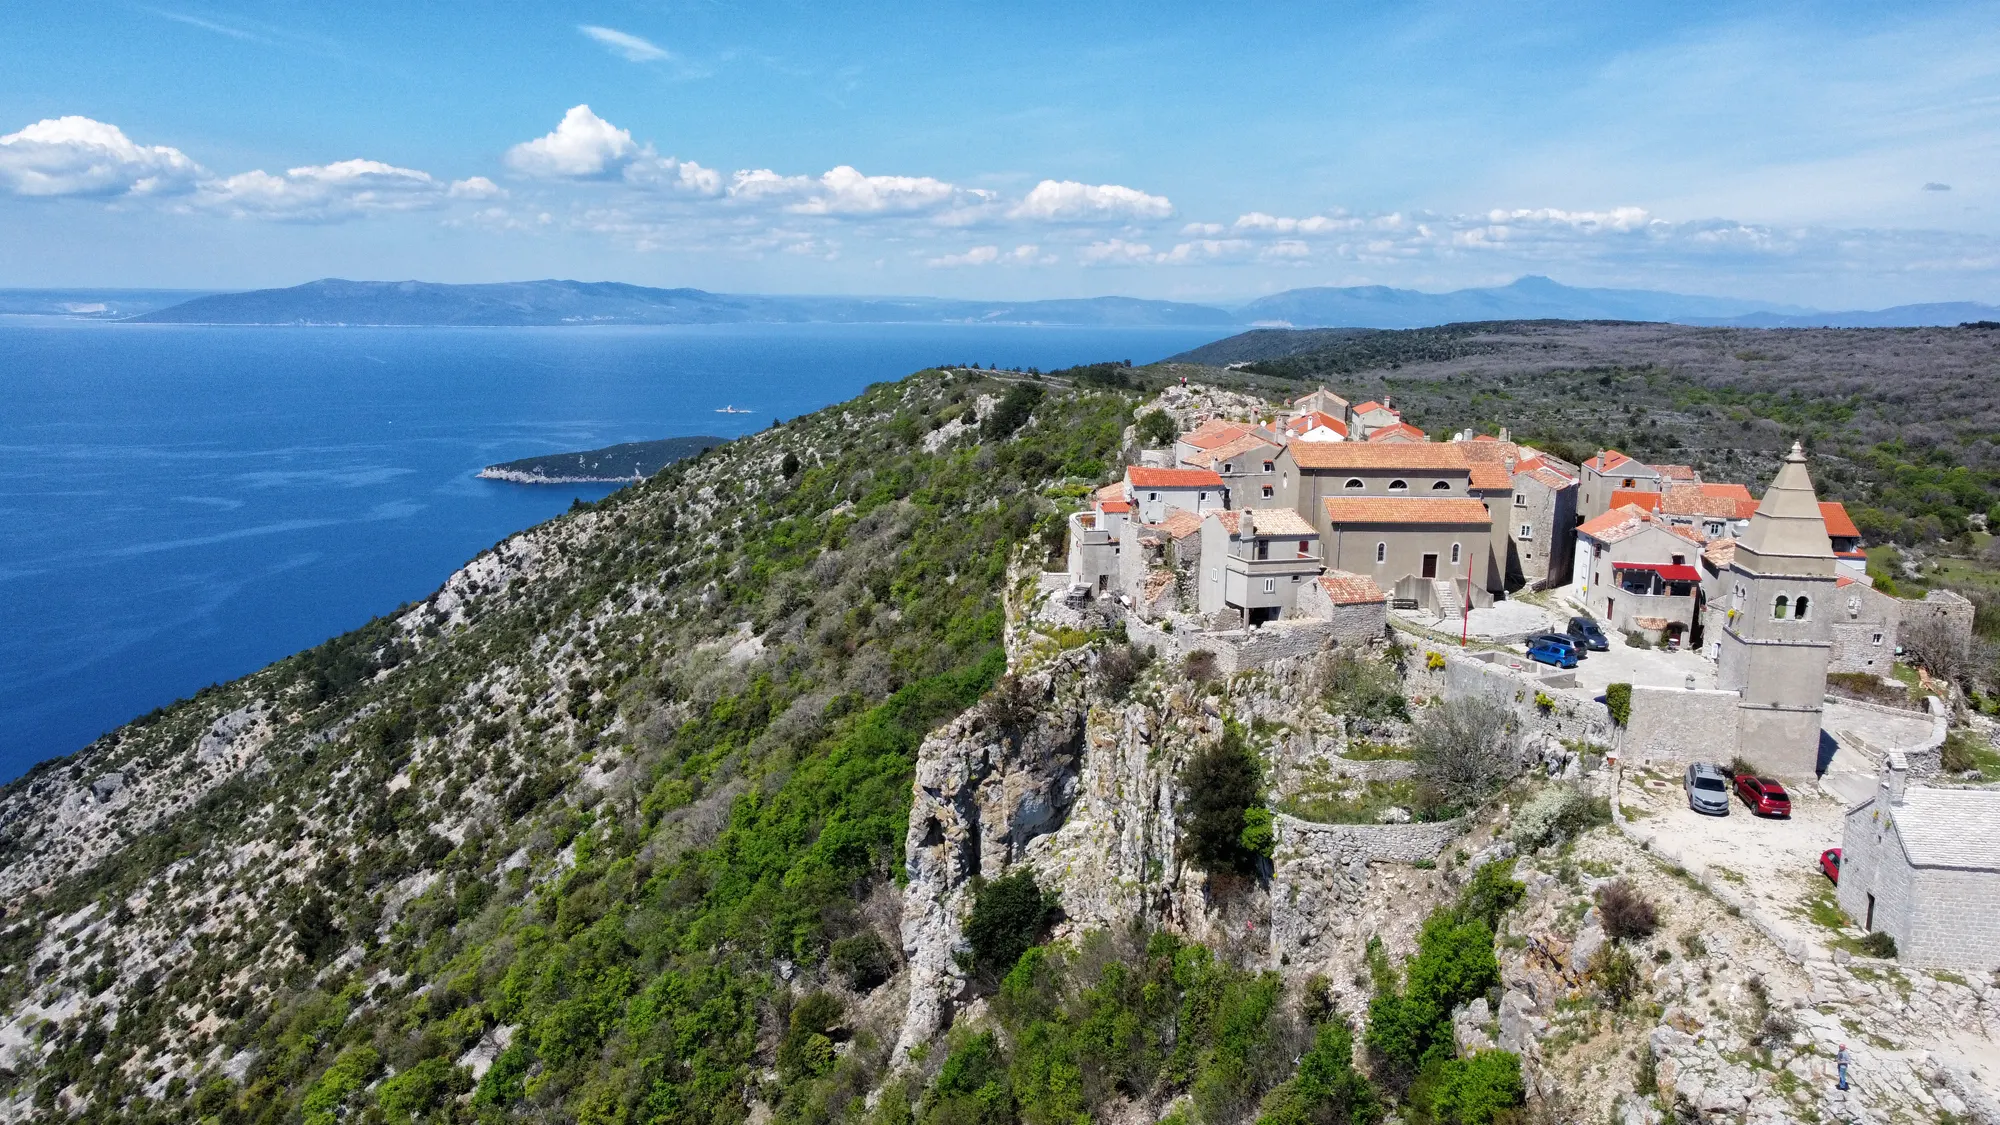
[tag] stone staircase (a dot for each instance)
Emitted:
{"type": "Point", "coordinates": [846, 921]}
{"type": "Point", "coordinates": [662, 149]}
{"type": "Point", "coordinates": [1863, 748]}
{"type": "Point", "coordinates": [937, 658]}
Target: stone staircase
{"type": "Point", "coordinates": [1449, 606]}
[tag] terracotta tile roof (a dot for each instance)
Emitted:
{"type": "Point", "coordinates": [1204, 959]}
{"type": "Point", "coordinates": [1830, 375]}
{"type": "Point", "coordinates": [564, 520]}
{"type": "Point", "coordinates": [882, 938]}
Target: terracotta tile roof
{"type": "Point", "coordinates": [1360, 455]}
{"type": "Point", "coordinates": [1546, 477]}
{"type": "Point", "coordinates": [1839, 524]}
{"type": "Point", "coordinates": [1618, 523]}
{"type": "Point", "coordinates": [1365, 407]}
{"type": "Point", "coordinates": [1491, 450]}
{"type": "Point", "coordinates": [1344, 588]}
{"type": "Point", "coordinates": [1718, 488]}
{"type": "Point", "coordinates": [1720, 552]}
{"type": "Point", "coordinates": [1179, 524]}
{"type": "Point", "coordinates": [1637, 498]}
{"type": "Point", "coordinates": [1676, 472]}
{"type": "Point", "coordinates": [1313, 418]}
{"type": "Point", "coordinates": [1843, 580]}
{"type": "Point", "coordinates": [1139, 476]}
{"type": "Point", "coordinates": [1400, 431]}
{"type": "Point", "coordinates": [1212, 433]}
{"type": "Point", "coordinates": [1240, 446]}
{"type": "Point", "coordinates": [1113, 491]}
{"type": "Point", "coordinates": [1691, 500]}
{"type": "Point", "coordinates": [1229, 519]}
{"type": "Point", "coordinates": [1114, 506]}
{"type": "Point", "coordinates": [1455, 511]}
{"type": "Point", "coordinates": [1492, 478]}
{"type": "Point", "coordinates": [1280, 521]}
{"type": "Point", "coordinates": [1606, 461]}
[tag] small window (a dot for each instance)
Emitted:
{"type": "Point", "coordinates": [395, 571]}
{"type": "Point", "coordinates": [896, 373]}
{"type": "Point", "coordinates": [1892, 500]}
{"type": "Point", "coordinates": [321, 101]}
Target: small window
{"type": "Point", "coordinates": [1799, 608]}
{"type": "Point", "coordinates": [1781, 607]}
{"type": "Point", "coordinates": [1269, 465]}
{"type": "Point", "coordinates": [1878, 640]}
{"type": "Point", "coordinates": [1399, 486]}
{"type": "Point", "coordinates": [1270, 585]}
{"type": "Point", "coordinates": [1381, 552]}
{"type": "Point", "coordinates": [1454, 554]}
{"type": "Point", "coordinates": [1527, 531]}
{"type": "Point", "coordinates": [1680, 560]}
{"type": "Point", "coordinates": [1152, 496]}
{"type": "Point", "coordinates": [1629, 482]}
{"type": "Point", "coordinates": [1263, 548]}
{"type": "Point", "coordinates": [1354, 482]}
{"type": "Point", "coordinates": [1228, 466]}
{"type": "Point", "coordinates": [1520, 500]}
{"type": "Point", "coordinates": [1441, 486]}
{"type": "Point", "coordinates": [1204, 496]}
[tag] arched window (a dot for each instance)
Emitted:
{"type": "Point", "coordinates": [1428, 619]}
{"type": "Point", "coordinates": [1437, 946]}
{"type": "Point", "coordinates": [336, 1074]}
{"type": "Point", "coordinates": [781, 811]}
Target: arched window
{"type": "Point", "coordinates": [1779, 607]}
{"type": "Point", "coordinates": [1381, 552]}
{"type": "Point", "coordinates": [1354, 482]}
{"type": "Point", "coordinates": [1399, 486]}
{"type": "Point", "coordinates": [1441, 486]}
{"type": "Point", "coordinates": [1454, 554]}
{"type": "Point", "coordinates": [1799, 608]}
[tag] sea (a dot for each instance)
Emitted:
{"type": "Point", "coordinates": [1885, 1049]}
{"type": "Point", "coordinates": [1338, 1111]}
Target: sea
{"type": "Point", "coordinates": [185, 504]}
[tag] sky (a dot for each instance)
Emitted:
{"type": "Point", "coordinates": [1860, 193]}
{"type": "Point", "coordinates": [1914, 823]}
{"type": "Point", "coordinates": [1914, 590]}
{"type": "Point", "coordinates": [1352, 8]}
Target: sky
{"type": "Point", "coordinates": [1833, 156]}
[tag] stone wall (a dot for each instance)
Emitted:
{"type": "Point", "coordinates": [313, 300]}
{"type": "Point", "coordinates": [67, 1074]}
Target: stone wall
{"type": "Point", "coordinates": [1375, 843]}
{"type": "Point", "coordinates": [1237, 650]}
{"type": "Point", "coordinates": [1494, 676]}
{"type": "Point", "coordinates": [1679, 725]}
{"type": "Point", "coordinates": [1955, 917]}
{"type": "Point", "coordinates": [1320, 876]}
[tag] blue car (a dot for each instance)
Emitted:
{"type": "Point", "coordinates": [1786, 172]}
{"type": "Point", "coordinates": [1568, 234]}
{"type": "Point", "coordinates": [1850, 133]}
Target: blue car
{"type": "Point", "coordinates": [1543, 652]}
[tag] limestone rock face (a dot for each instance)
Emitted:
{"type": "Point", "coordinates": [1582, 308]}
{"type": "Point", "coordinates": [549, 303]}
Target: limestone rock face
{"type": "Point", "coordinates": [989, 783]}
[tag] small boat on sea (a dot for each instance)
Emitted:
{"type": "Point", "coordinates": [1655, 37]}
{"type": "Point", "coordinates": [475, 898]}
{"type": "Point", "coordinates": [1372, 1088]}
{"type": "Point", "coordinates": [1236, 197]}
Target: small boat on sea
{"type": "Point", "coordinates": [730, 410]}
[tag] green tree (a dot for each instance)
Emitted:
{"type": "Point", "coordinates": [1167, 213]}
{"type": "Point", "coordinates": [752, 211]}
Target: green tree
{"type": "Point", "coordinates": [1012, 411]}
{"type": "Point", "coordinates": [1327, 1090]}
{"type": "Point", "coordinates": [1220, 785]}
{"type": "Point", "coordinates": [1009, 914]}
{"type": "Point", "coordinates": [1477, 1090]}
{"type": "Point", "coordinates": [1157, 427]}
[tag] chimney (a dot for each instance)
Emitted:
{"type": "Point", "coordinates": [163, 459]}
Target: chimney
{"type": "Point", "coordinates": [1503, 433]}
{"type": "Point", "coordinates": [1244, 527]}
{"type": "Point", "coordinates": [1895, 775]}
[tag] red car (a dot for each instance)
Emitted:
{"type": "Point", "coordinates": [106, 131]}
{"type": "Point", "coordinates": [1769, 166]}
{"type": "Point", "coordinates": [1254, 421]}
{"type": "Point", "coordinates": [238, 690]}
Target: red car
{"type": "Point", "coordinates": [1829, 864]}
{"type": "Point", "coordinates": [1764, 796]}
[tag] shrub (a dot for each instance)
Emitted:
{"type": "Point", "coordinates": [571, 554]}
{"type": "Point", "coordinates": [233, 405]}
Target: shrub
{"type": "Point", "coordinates": [1009, 914]}
{"type": "Point", "coordinates": [1260, 834]}
{"type": "Point", "coordinates": [314, 934]}
{"type": "Point", "coordinates": [1637, 640]}
{"type": "Point", "coordinates": [972, 1087]}
{"type": "Point", "coordinates": [1220, 784]}
{"type": "Point", "coordinates": [1615, 973]}
{"type": "Point", "coordinates": [1463, 748]}
{"type": "Point", "coordinates": [863, 960]}
{"type": "Point", "coordinates": [1410, 1029]}
{"type": "Point", "coordinates": [1878, 944]}
{"type": "Point", "coordinates": [1012, 411]}
{"type": "Point", "coordinates": [1199, 666]}
{"type": "Point", "coordinates": [1363, 686]}
{"type": "Point", "coordinates": [1618, 701]}
{"type": "Point", "coordinates": [1327, 1090]}
{"type": "Point", "coordinates": [1557, 813]}
{"type": "Point", "coordinates": [1156, 427]}
{"type": "Point", "coordinates": [807, 1049]}
{"type": "Point", "coordinates": [1491, 892]}
{"type": "Point", "coordinates": [422, 1089]}
{"type": "Point", "coordinates": [1624, 912]}
{"type": "Point", "coordinates": [1434, 661]}
{"type": "Point", "coordinates": [789, 467]}
{"type": "Point", "coordinates": [1120, 667]}
{"type": "Point", "coordinates": [1478, 1090]}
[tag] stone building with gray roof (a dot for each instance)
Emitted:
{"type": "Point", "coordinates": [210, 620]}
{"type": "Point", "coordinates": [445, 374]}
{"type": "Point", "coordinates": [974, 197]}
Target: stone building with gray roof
{"type": "Point", "coordinates": [1923, 866]}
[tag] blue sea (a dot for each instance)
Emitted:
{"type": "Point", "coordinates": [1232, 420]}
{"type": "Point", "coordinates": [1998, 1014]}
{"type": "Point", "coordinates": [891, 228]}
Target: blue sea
{"type": "Point", "coordinates": [186, 504]}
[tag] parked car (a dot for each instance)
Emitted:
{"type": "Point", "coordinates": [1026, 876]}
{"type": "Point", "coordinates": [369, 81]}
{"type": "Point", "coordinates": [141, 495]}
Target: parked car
{"type": "Point", "coordinates": [1707, 789]}
{"type": "Point", "coordinates": [1563, 639]}
{"type": "Point", "coordinates": [1829, 864]}
{"type": "Point", "coordinates": [1764, 796]}
{"type": "Point", "coordinates": [1562, 656]}
{"type": "Point", "coordinates": [1586, 632]}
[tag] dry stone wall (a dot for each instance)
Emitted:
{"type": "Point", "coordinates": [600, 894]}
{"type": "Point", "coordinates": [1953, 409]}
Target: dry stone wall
{"type": "Point", "coordinates": [1681, 725]}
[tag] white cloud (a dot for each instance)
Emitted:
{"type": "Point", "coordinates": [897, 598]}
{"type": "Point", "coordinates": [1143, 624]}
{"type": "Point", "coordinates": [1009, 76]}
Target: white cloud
{"type": "Point", "coordinates": [79, 156]}
{"type": "Point", "coordinates": [1205, 250]}
{"type": "Point", "coordinates": [664, 173]}
{"type": "Point", "coordinates": [583, 147]}
{"type": "Point", "coordinates": [1259, 222]}
{"type": "Point", "coordinates": [476, 187]}
{"type": "Point", "coordinates": [330, 192]}
{"type": "Point", "coordinates": [1203, 230]}
{"type": "Point", "coordinates": [1115, 252]}
{"type": "Point", "coordinates": [1285, 249]}
{"type": "Point", "coordinates": [977, 256]}
{"type": "Point", "coordinates": [845, 191]}
{"type": "Point", "coordinates": [626, 45]}
{"type": "Point", "coordinates": [1069, 201]}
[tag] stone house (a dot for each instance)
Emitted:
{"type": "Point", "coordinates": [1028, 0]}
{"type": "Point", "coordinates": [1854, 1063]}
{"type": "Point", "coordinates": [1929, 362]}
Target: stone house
{"type": "Point", "coordinates": [1323, 401]}
{"type": "Point", "coordinates": [1145, 550]}
{"type": "Point", "coordinates": [1849, 556]}
{"type": "Point", "coordinates": [1315, 425]}
{"type": "Point", "coordinates": [1541, 519]}
{"type": "Point", "coordinates": [1155, 492]}
{"type": "Point", "coordinates": [1707, 511]}
{"type": "Point", "coordinates": [1247, 466]}
{"type": "Point", "coordinates": [1637, 573]}
{"type": "Point", "coordinates": [1398, 431]}
{"type": "Point", "coordinates": [1611, 471]}
{"type": "Point", "coordinates": [1093, 551]}
{"type": "Point", "coordinates": [1923, 866]}
{"type": "Point", "coordinates": [1352, 604]}
{"type": "Point", "coordinates": [1211, 434]}
{"type": "Point", "coordinates": [1863, 629]}
{"type": "Point", "coordinates": [1371, 416]}
{"type": "Point", "coordinates": [1253, 563]}
{"type": "Point", "coordinates": [1429, 552]}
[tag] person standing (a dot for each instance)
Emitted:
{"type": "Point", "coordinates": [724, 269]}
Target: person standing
{"type": "Point", "coordinates": [1840, 1060]}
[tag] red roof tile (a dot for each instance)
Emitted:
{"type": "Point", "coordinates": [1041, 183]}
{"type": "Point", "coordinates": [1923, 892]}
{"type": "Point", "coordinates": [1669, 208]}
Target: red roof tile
{"type": "Point", "coordinates": [1351, 589]}
{"type": "Point", "coordinates": [1337, 455]}
{"type": "Point", "coordinates": [1139, 476]}
{"type": "Point", "coordinates": [1400, 431]}
{"type": "Point", "coordinates": [1606, 461]}
{"type": "Point", "coordinates": [1491, 478]}
{"type": "Point", "coordinates": [1839, 525]}
{"type": "Point", "coordinates": [1456, 511]}
{"type": "Point", "coordinates": [1650, 501]}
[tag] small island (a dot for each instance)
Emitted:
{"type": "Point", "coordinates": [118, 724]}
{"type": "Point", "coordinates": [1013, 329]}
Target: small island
{"type": "Point", "coordinates": [628, 461]}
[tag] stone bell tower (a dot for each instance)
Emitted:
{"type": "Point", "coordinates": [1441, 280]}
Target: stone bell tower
{"type": "Point", "coordinates": [1778, 637]}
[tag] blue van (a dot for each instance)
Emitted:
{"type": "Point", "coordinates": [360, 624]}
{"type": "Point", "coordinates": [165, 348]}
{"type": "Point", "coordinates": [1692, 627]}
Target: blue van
{"type": "Point", "coordinates": [1545, 652]}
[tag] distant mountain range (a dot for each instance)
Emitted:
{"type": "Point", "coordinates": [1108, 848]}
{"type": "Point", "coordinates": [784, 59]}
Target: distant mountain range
{"type": "Point", "coordinates": [333, 302]}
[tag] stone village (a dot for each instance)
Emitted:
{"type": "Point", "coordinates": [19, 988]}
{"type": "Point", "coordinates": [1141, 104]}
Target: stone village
{"type": "Point", "coordinates": [1259, 534]}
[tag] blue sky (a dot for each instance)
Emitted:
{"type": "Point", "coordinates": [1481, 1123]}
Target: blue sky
{"type": "Point", "coordinates": [1820, 155]}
